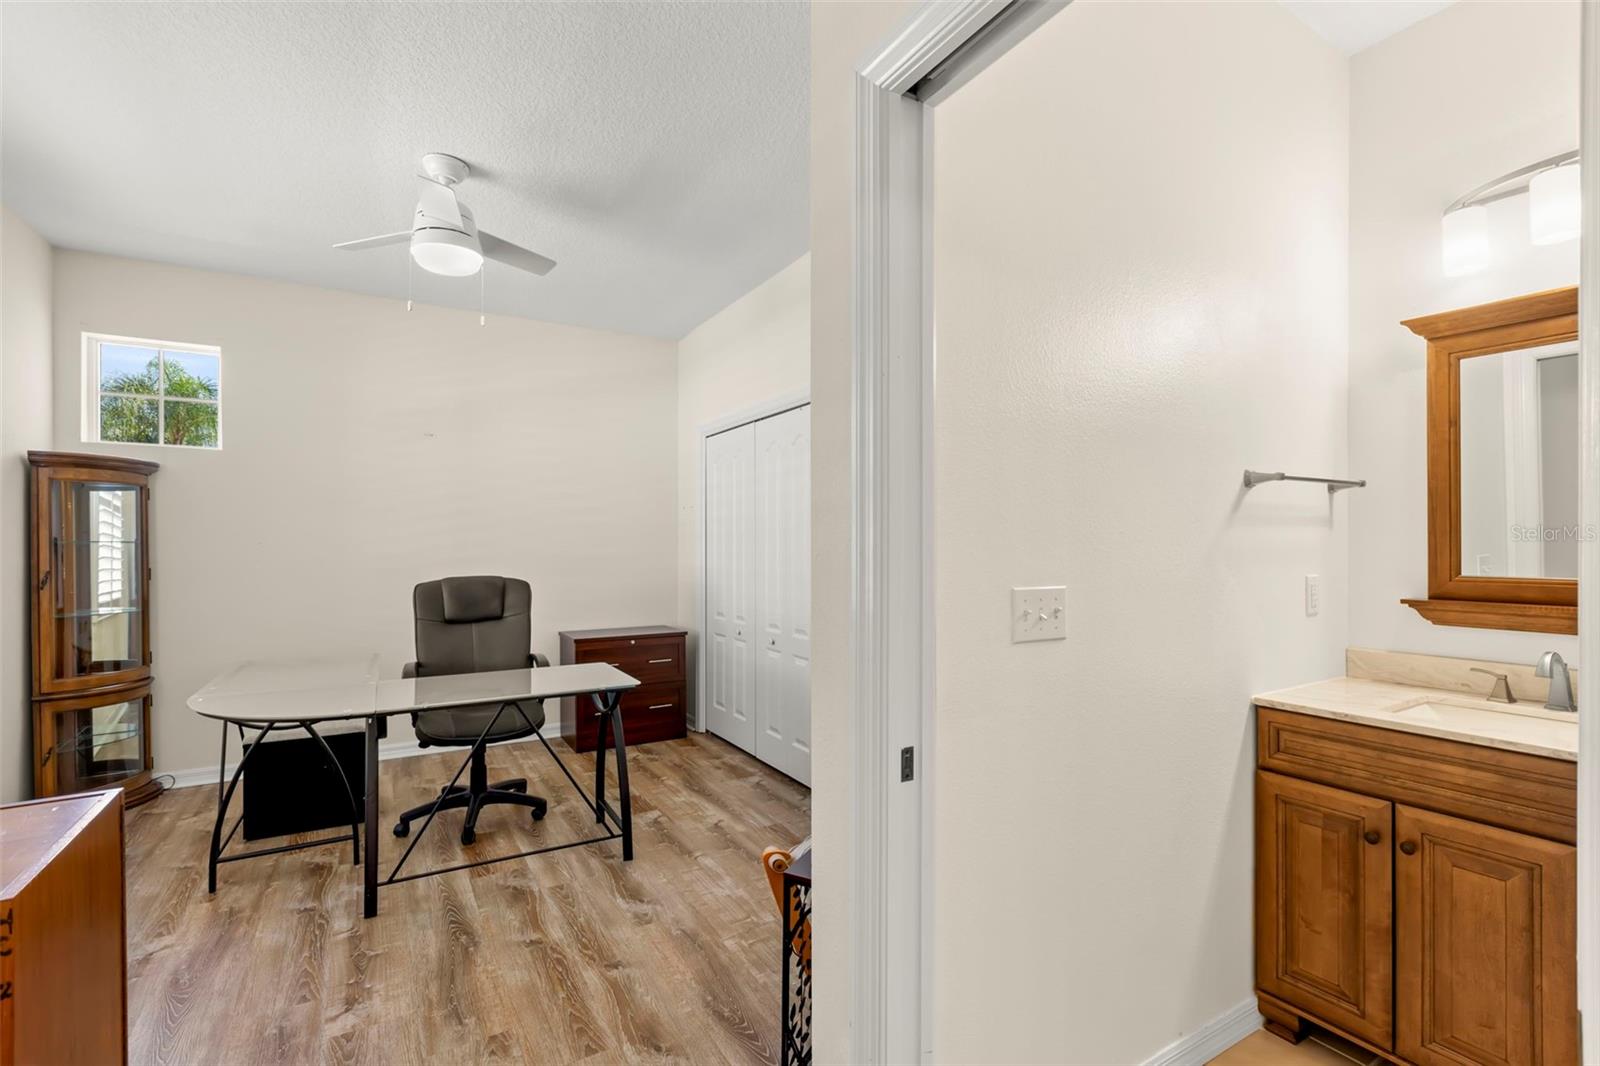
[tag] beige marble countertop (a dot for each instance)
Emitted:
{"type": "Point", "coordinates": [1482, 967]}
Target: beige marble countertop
{"type": "Point", "coordinates": [1526, 726]}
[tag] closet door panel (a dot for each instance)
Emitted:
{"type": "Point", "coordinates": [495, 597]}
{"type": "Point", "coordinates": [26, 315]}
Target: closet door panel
{"type": "Point", "coordinates": [783, 600]}
{"type": "Point", "coordinates": [730, 589]}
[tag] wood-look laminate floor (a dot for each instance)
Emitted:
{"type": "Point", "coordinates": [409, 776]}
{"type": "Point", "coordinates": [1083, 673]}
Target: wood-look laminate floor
{"type": "Point", "coordinates": [572, 956]}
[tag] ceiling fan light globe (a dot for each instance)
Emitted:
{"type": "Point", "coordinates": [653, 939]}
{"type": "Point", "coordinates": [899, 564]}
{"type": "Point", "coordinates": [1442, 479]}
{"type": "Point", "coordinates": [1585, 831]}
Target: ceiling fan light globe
{"type": "Point", "coordinates": [439, 251]}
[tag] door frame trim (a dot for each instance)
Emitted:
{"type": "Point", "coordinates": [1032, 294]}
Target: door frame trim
{"type": "Point", "coordinates": [890, 892]}
{"type": "Point", "coordinates": [753, 413]}
{"type": "Point", "coordinates": [1589, 549]}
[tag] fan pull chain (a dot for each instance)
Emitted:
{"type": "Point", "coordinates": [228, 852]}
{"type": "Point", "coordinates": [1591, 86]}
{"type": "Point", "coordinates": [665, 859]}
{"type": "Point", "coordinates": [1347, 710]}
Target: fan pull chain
{"type": "Point", "coordinates": [410, 268]}
{"type": "Point", "coordinates": [481, 272]}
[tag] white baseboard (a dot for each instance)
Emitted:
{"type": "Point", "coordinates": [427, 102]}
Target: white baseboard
{"type": "Point", "coordinates": [207, 775]}
{"type": "Point", "coordinates": [1211, 1039]}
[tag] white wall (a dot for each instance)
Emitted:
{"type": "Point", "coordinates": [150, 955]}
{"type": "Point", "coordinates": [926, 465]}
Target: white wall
{"type": "Point", "coordinates": [25, 423]}
{"type": "Point", "coordinates": [754, 351]}
{"type": "Point", "coordinates": [1140, 263]}
{"type": "Point", "coordinates": [366, 449]}
{"type": "Point", "coordinates": [1436, 110]}
{"type": "Point", "coordinates": [840, 35]}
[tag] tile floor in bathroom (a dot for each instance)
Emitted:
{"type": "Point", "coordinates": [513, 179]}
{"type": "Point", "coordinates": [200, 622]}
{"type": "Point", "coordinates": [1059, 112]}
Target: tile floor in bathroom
{"type": "Point", "coordinates": [1261, 1048]}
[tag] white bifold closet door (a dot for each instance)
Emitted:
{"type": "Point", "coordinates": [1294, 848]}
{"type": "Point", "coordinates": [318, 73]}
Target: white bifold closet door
{"type": "Point", "coordinates": [758, 589]}
{"type": "Point", "coordinates": [783, 592]}
{"type": "Point", "coordinates": [730, 586]}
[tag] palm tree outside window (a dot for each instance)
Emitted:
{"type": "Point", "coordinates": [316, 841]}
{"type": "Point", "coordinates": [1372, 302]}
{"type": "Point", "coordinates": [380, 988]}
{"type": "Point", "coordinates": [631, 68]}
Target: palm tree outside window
{"type": "Point", "coordinates": [151, 392]}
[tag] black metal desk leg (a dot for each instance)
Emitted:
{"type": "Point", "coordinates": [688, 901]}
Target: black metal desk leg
{"type": "Point", "coordinates": [222, 761]}
{"type": "Point", "coordinates": [600, 762]}
{"type": "Point", "coordinates": [370, 870]}
{"type": "Point", "coordinates": [614, 698]}
{"type": "Point", "coordinates": [216, 832]}
{"type": "Point", "coordinates": [225, 799]}
{"type": "Point", "coordinates": [349, 793]}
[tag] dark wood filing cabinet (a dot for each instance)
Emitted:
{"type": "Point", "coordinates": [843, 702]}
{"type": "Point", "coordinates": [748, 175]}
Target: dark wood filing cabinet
{"type": "Point", "coordinates": [657, 709]}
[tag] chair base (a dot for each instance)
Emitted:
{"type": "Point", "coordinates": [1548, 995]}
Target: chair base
{"type": "Point", "coordinates": [475, 796]}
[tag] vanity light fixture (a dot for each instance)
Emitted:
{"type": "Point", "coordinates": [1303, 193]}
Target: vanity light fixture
{"type": "Point", "coordinates": [1555, 205]}
{"type": "Point", "coordinates": [1554, 210]}
{"type": "Point", "coordinates": [1465, 243]}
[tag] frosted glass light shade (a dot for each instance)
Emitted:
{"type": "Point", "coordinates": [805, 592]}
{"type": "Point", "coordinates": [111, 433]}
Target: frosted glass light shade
{"type": "Point", "coordinates": [1465, 236]}
{"type": "Point", "coordinates": [442, 251]}
{"type": "Point", "coordinates": [1555, 205]}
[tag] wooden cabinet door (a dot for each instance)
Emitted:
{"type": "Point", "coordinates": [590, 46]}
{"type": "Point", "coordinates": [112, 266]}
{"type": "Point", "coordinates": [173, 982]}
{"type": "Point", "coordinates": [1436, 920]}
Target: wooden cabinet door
{"type": "Point", "coordinates": [1487, 947]}
{"type": "Point", "coordinates": [1324, 904]}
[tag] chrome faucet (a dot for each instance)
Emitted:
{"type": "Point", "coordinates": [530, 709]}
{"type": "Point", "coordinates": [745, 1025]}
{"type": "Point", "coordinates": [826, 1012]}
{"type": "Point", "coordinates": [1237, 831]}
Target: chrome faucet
{"type": "Point", "coordinates": [1553, 666]}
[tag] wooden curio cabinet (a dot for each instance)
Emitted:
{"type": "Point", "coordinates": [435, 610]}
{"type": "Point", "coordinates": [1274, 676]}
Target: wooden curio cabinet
{"type": "Point", "coordinates": [90, 569]}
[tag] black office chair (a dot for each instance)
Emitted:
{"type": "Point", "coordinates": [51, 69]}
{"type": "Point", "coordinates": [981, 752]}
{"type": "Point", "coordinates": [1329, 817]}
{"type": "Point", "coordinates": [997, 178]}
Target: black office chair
{"type": "Point", "coordinates": [469, 625]}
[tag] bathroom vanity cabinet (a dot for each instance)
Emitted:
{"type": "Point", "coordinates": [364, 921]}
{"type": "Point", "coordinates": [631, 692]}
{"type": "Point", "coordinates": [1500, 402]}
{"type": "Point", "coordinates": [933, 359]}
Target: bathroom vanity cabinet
{"type": "Point", "coordinates": [1415, 894]}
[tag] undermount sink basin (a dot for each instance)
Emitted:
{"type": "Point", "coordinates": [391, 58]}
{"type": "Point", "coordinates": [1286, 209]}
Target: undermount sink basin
{"type": "Point", "coordinates": [1511, 721]}
{"type": "Point", "coordinates": [1526, 727]}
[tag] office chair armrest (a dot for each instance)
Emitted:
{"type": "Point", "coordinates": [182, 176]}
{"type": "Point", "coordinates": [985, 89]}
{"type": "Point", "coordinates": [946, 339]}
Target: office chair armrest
{"type": "Point", "coordinates": [537, 660]}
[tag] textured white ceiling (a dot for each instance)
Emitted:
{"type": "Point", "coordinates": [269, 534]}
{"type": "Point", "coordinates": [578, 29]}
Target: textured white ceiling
{"type": "Point", "coordinates": [657, 151]}
{"type": "Point", "coordinates": [1352, 25]}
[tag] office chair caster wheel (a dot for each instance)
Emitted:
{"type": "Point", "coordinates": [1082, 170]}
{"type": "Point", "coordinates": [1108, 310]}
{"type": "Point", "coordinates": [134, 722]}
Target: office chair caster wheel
{"type": "Point", "coordinates": [468, 836]}
{"type": "Point", "coordinates": [538, 810]}
{"type": "Point", "coordinates": [402, 829]}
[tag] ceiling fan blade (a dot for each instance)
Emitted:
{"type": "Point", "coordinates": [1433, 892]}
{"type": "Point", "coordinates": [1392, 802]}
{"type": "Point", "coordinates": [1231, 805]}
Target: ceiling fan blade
{"type": "Point", "coordinates": [513, 255]}
{"type": "Point", "coordinates": [375, 242]}
{"type": "Point", "coordinates": [439, 202]}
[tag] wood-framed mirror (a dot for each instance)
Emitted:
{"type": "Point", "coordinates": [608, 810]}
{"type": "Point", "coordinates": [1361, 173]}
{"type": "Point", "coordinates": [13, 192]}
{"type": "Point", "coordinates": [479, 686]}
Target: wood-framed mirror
{"type": "Point", "coordinates": [1503, 520]}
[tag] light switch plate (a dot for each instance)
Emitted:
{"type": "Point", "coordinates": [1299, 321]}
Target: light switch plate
{"type": "Point", "coordinates": [1038, 613]}
{"type": "Point", "coordinates": [1313, 595]}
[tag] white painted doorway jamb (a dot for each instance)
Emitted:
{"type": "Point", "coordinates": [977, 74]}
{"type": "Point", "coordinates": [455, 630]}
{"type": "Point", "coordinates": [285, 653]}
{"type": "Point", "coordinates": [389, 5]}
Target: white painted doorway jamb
{"type": "Point", "coordinates": [890, 890]}
{"type": "Point", "coordinates": [1589, 548]}
{"type": "Point", "coordinates": [754, 413]}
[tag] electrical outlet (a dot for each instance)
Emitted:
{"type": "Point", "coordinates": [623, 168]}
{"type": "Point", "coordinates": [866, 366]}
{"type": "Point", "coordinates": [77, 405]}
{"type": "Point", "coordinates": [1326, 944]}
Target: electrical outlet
{"type": "Point", "coordinates": [1313, 595]}
{"type": "Point", "coordinates": [1038, 613]}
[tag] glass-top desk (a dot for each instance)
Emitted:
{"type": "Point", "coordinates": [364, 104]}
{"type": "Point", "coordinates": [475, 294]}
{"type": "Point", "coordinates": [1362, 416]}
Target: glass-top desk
{"type": "Point", "coordinates": [268, 697]}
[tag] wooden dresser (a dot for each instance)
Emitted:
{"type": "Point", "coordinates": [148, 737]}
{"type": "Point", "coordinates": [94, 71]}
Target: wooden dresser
{"type": "Point", "coordinates": [1415, 894]}
{"type": "Point", "coordinates": [657, 709]}
{"type": "Point", "coordinates": [63, 935]}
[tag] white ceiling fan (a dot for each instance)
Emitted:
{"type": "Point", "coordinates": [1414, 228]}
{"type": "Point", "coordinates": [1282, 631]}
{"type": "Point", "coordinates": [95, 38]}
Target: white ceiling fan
{"type": "Point", "coordinates": [444, 237]}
